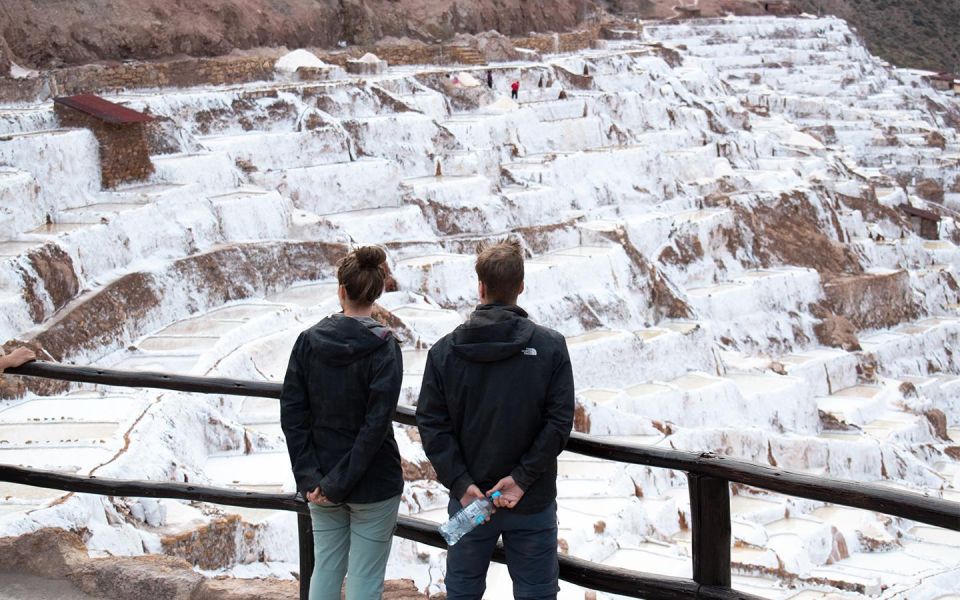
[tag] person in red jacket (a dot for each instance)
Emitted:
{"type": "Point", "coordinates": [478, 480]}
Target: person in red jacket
{"type": "Point", "coordinates": [514, 89]}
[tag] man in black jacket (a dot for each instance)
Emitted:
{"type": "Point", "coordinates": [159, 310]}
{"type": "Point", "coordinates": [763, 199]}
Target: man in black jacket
{"type": "Point", "coordinates": [496, 409]}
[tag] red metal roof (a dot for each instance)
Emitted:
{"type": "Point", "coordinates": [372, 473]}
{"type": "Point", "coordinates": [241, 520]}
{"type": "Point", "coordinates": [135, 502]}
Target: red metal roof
{"type": "Point", "coordinates": [103, 109]}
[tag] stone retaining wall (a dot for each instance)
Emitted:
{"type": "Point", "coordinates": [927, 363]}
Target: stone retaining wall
{"type": "Point", "coordinates": [235, 70]}
{"type": "Point", "coordinates": [109, 78]}
{"type": "Point", "coordinates": [124, 155]}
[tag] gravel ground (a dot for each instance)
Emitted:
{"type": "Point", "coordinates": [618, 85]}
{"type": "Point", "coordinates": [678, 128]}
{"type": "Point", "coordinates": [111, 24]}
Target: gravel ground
{"type": "Point", "coordinates": [27, 587]}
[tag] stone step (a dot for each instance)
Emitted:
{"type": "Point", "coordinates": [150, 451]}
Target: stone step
{"type": "Point", "coordinates": [702, 400]}
{"type": "Point", "coordinates": [913, 347]}
{"type": "Point", "coordinates": [856, 405]}
{"type": "Point", "coordinates": [326, 189]}
{"type": "Point", "coordinates": [593, 351]}
{"type": "Point", "coordinates": [306, 295]}
{"type": "Point", "coordinates": [211, 172]}
{"type": "Point", "coordinates": [259, 151]}
{"type": "Point", "coordinates": [758, 302]}
{"type": "Point", "coordinates": [379, 225]}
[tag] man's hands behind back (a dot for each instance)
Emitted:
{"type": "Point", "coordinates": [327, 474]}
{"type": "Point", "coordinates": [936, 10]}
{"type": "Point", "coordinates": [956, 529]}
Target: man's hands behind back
{"type": "Point", "coordinates": [510, 493]}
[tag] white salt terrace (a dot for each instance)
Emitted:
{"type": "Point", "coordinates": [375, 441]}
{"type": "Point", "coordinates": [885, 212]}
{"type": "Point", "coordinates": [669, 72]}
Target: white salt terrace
{"type": "Point", "coordinates": [716, 350]}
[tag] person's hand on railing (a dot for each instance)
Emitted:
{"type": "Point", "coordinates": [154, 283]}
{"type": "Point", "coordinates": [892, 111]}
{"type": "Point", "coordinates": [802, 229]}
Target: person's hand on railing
{"type": "Point", "coordinates": [16, 358]}
{"type": "Point", "coordinates": [510, 493]}
{"type": "Point", "coordinates": [316, 497]}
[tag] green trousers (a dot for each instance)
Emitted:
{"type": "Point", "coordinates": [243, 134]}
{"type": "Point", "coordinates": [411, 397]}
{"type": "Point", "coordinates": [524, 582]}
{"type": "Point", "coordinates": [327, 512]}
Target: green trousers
{"type": "Point", "coordinates": [352, 541]}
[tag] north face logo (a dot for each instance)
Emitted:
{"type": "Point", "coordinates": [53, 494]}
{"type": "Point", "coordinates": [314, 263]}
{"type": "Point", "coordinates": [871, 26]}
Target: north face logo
{"type": "Point", "coordinates": [530, 351]}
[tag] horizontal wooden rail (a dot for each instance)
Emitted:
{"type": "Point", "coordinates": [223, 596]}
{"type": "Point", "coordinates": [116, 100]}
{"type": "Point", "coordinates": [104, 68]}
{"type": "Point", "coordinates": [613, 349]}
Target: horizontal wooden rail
{"type": "Point", "coordinates": [148, 379]}
{"type": "Point", "coordinates": [574, 570]}
{"type": "Point", "coordinates": [867, 496]}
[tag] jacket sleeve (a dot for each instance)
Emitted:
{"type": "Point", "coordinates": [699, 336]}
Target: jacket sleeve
{"type": "Point", "coordinates": [436, 432]}
{"type": "Point", "coordinates": [382, 401]}
{"type": "Point", "coordinates": [296, 422]}
{"type": "Point", "coordinates": [557, 423]}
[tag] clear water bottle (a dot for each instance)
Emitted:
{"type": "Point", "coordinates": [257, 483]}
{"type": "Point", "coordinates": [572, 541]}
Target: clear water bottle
{"type": "Point", "coordinates": [469, 517]}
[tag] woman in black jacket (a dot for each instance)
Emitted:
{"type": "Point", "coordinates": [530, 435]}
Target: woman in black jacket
{"type": "Point", "coordinates": [336, 409]}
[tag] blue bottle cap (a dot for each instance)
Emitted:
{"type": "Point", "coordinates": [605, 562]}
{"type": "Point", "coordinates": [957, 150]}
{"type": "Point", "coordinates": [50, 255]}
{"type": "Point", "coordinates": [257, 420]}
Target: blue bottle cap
{"type": "Point", "coordinates": [495, 495]}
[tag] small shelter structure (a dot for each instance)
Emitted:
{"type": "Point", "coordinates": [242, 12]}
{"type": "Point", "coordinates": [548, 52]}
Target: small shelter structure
{"type": "Point", "coordinates": [925, 223]}
{"type": "Point", "coordinates": [120, 132]}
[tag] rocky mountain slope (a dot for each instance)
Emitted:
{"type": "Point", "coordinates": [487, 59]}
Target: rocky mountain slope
{"type": "Point", "coordinates": [53, 33]}
{"type": "Point", "coordinates": [713, 218]}
{"type": "Point", "coordinates": [909, 33]}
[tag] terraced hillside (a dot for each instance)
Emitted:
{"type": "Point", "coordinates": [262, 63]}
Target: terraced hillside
{"type": "Point", "coordinates": [710, 216]}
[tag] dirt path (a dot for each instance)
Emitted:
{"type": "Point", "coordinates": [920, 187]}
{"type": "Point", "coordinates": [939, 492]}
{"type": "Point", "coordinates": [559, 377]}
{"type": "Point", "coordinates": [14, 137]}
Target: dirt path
{"type": "Point", "coordinates": [27, 587]}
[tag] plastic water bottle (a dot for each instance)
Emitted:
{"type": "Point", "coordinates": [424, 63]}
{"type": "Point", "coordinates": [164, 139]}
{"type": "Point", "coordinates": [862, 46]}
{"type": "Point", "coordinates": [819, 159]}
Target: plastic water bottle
{"type": "Point", "coordinates": [469, 517]}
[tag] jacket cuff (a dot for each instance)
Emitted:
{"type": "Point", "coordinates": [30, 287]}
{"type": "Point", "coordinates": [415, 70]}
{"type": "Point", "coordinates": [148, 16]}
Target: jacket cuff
{"type": "Point", "coordinates": [310, 483]}
{"type": "Point", "coordinates": [332, 491]}
{"type": "Point", "coordinates": [522, 478]}
{"type": "Point", "coordinates": [459, 487]}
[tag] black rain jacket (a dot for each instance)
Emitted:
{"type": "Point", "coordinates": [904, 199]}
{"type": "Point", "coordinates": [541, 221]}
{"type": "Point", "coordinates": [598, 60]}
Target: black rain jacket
{"type": "Point", "coordinates": [497, 400]}
{"type": "Point", "coordinates": [336, 409]}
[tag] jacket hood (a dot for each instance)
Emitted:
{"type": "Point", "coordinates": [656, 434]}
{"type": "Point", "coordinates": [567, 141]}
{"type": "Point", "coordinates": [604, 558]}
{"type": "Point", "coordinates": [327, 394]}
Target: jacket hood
{"type": "Point", "coordinates": [493, 332]}
{"type": "Point", "coordinates": [340, 340]}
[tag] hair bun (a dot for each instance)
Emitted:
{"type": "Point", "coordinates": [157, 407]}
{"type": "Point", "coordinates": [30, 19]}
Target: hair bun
{"type": "Point", "coordinates": [370, 257]}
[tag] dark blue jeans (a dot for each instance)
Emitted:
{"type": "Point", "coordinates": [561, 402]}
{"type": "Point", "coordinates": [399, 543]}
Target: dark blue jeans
{"type": "Point", "coordinates": [530, 542]}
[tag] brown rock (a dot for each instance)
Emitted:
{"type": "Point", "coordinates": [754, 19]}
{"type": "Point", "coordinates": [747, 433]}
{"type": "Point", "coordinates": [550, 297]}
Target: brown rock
{"type": "Point", "coordinates": [52, 268]}
{"type": "Point", "coordinates": [908, 390]}
{"type": "Point", "coordinates": [789, 232]}
{"type": "Point", "coordinates": [935, 139]}
{"type": "Point", "coordinates": [830, 422]}
{"type": "Point", "coordinates": [839, 551]}
{"type": "Point", "coordinates": [417, 471]}
{"type": "Point", "coordinates": [211, 546]}
{"type": "Point", "coordinates": [228, 588]}
{"type": "Point", "coordinates": [400, 329]}
{"type": "Point", "coordinates": [226, 273]}
{"type": "Point", "coordinates": [867, 367]}
{"type": "Point", "coordinates": [136, 578]}
{"type": "Point", "coordinates": [51, 553]}
{"type": "Point", "coordinates": [872, 300]}
{"type": "Point", "coordinates": [43, 36]}
{"type": "Point", "coordinates": [581, 420]}
{"type": "Point", "coordinates": [930, 189]}
{"type": "Point", "coordinates": [953, 452]}
{"type": "Point", "coordinates": [837, 332]}
{"type": "Point", "coordinates": [401, 589]}
{"type": "Point", "coordinates": [938, 421]}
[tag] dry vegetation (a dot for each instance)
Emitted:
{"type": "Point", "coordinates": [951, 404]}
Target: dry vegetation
{"type": "Point", "coordinates": [922, 34]}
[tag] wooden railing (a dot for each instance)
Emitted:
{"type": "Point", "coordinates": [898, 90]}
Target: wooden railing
{"type": "Point", "coordinates": [708, 476]}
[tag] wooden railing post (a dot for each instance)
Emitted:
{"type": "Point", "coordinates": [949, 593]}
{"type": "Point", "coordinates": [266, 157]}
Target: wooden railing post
{"type": "Point", "coordinates": [305, 533]}
{"type": "Point", "coordinates": [710, 509]}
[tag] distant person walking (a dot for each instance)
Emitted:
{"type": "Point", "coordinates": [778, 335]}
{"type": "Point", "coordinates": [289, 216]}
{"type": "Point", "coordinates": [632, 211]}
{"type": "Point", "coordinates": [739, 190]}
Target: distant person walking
{"type": "Point", "coordinates": [496, 409]}
{"type": "Point", "coordinates": [336, 409]}
{"type": "Point", "coordinates": [490, 78]}
{"type": "Point", "coordinates": [515, 89]}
